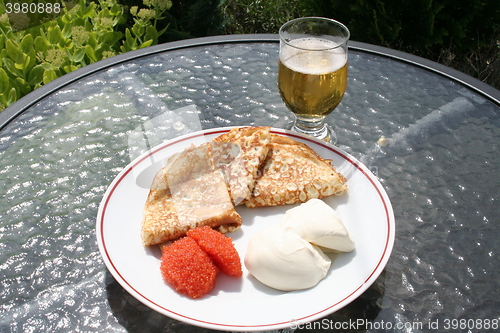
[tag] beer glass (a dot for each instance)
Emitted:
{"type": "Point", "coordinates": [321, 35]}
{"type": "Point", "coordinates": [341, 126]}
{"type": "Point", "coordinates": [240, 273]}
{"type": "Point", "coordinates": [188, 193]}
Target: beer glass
{"type": "Point", "coordinates": [312, 72]}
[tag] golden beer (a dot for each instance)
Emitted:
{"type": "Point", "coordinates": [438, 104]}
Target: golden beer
{"type": "Point", "coordinates": [312, 76]}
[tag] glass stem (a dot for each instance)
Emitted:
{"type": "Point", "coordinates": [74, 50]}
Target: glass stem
{"type": "Point", "coordinates": [310, 124]}
{"type": "Point", "coordinates": [315, 127]}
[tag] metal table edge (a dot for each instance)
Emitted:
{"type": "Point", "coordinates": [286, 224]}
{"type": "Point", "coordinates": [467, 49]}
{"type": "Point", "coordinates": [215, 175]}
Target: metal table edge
{"type": "Point", "coordinates": [478, 86]}
{"type": "Point", "coordinates": [11, 112]}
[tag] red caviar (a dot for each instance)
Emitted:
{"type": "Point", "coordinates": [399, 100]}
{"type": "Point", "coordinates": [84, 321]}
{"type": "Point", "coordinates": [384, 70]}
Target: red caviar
{"type": "Point", "coordinates": [220, 248]}
{"type": "Point", "coordinates": [188, 268]}
{"type": "Point", "coordinates": [190, 264]}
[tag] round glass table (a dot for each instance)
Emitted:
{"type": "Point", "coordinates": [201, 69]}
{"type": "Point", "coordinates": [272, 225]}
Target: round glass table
{"type": "Point", "coordinates": [428, 133]}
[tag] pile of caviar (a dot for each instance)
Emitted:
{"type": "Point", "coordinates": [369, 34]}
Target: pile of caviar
{"type": "Point", "coordinates": [219, 248]}
{"type": "Point", "coordinates": [190, 264]}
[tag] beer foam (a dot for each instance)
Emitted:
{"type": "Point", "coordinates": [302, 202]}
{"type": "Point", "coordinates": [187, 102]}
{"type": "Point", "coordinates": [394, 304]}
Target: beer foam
{"type": "Point", "coordinates": [313, 56]}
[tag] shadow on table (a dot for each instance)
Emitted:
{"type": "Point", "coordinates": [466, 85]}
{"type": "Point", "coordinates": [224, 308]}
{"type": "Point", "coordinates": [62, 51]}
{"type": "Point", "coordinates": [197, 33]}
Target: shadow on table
{"type": "Point", "coordinates": [137, 317]}
{"type": "Point", "coordinates": [354, 317]}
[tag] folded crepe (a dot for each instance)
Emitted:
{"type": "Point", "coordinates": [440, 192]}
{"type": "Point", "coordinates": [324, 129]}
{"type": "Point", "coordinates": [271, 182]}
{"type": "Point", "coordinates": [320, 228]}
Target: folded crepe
{"type": "Point", "coordinates": [202, 185]}
{"type": "Point", "coordinates": [188, 192]}
{"type": "Point", "coordinates": [241, 164]}
{"type": "Point", "coordinates": [293, 172]}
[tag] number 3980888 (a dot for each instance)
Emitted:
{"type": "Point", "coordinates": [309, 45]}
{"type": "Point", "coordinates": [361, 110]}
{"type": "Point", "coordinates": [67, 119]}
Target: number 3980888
{"type": "Point", "coordinates": [24, 7]}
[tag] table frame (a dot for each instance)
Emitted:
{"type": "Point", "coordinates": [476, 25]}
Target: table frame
{"type": "Point", "coordinates": [11, 112]}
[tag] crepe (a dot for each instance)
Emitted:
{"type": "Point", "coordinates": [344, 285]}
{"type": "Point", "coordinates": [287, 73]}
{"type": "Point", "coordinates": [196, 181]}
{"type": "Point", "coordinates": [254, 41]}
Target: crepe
{"type": "Point", "coordinates": [293, 172]}
{"type": "Point", "coordinates": [241, 160]}
{"type": "Point", "coordinates": [188, 192]}
{"type": "Point", "coordinates": [202, 185]}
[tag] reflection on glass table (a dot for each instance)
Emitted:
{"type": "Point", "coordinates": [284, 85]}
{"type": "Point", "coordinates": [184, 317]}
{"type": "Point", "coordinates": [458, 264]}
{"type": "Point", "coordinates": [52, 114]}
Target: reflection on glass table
{"type": "Point", "coordinates": [429, 135]}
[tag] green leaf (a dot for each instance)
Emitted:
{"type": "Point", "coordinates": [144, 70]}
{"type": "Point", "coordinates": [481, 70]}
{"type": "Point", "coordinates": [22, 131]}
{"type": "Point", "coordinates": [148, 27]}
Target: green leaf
{"type": "Point", "coordinates": [3, 55]}
{"type": "Point", "coordinates": [64, 19]}
{"type": "Point", "coordinates": [151, 33]}
{"type": "Point", "coordinates": [36, 75]}
{"type": "Point", "coordinates": [22, 85]}
{"type": "Point", "coordinates": [146, 44]}
{"type": "Point", "coordinates": [27, 62]}
{"type": "Point", "coordinates": [89, 51]}
{"type": "Point", "coordinates": [104, 13]}
{"type": "Point", "coordinates": [129, 43]}
{"type": "Point", "coordinates": [24, 64]}
{"type": "Point", "coordinates": [121, 20]}
{"type": "Point", "coordinates": [111, 37]}
{"type": "Point", "coordinates": [70, 68]}
{"type": "Point", "coordinates": [41, 44]}
{"type": "Point", "coordinates": [27, 43]}
{"type": "Point", "coordinates": [11, 67]}
{"type": "Point", "coordinates": [4, 81]}
{"type": "Point", "coordinates": [93, 40]}
{"type": "Point", "coordinates": [79, 21]}
{"type": "Point", "coordinates": [13, 96]}
{"type": "Point", "coordinates": [116, 9]}
{"type": "Point", "coordinates": [138, 29]}
{"type": "Point", "coordinates": [27, 46]}
{"type": "Point", "coordinates": [49, 75]}
{"type": "Point", "coordinates": [78, 55]}
{"type": "Point", "coordinates": [46, 65]}
{"type": "Point", "coordinates": [66, 31]}
{"type": "Point", "coordinates": [33, 61]}
{"type": "Point", "coordinates": [14, 52]}
{"type": "Point", "coordinates": [88, 25]}
{"type": "Point", "coordinates": [89, 11]}
{"type": "Point", "coordinates": [55, 36]}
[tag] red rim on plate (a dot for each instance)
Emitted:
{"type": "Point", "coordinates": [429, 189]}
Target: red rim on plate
{"type": "Point", "coordinates": [109, 238]}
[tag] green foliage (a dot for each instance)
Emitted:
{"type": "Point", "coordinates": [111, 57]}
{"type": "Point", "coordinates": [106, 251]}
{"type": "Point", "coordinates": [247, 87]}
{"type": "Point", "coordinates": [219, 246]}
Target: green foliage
{"type": "Point", "coordinates": [463, 34]}
{"type": "Point", "coordinates": [82, 34]}
{"type": "Point", "coordinates": [198, 18]}
{"type": "Point", "coordinates": [260, 16]}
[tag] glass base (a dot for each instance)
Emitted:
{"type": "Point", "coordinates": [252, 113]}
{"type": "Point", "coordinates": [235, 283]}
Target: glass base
{"type": "Point", "coordinates": [323, 132]}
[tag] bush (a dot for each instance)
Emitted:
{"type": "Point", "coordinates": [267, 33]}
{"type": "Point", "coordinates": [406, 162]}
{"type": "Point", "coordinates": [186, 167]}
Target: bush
{"type": "Point", "coordinates": [82, 34]}
{"type": "Point", "coordinates": [464, 34]}
{"type": "Point", "coordinates": [259, 16]}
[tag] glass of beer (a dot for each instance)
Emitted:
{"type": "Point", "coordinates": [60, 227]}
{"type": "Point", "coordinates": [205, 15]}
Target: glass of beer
{"type": "Point", "coordinates": [312, 72]}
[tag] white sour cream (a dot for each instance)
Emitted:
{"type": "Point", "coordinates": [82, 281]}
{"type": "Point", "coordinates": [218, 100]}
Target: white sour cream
{"type": "Point", "coordinates": [319, 224]}
{"type": "Point", "coordinates": [289, 256]}
{"type": "Point", "coordinates": [282, 260]}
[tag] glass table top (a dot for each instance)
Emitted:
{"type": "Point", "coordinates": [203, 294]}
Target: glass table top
{"type": "Point", "coordinates": [437, 159]}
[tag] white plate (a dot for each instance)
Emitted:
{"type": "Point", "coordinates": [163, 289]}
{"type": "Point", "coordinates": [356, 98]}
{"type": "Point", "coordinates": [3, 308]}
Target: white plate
{"type": "Point", "coordinates": [244, 304]}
